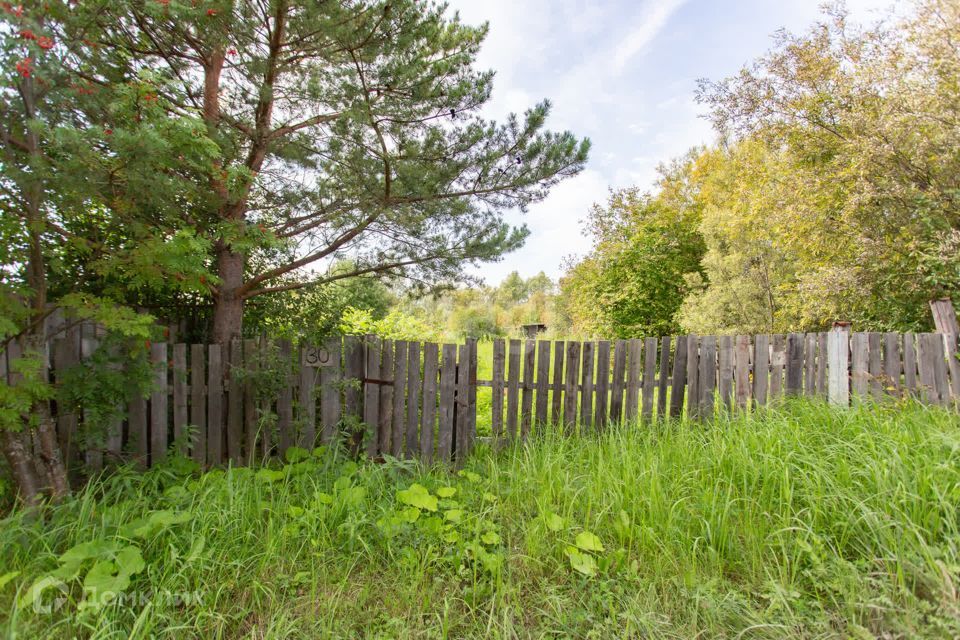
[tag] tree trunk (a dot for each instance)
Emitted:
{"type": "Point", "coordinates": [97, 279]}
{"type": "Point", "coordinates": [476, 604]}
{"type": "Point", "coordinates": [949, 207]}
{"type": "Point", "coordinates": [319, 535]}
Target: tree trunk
{"type": "Point", "coordinates": [49, 453]}
{"type": "Point", "coordinates": [20, 459]}
{"type": "Point", "coordinates": [228, 301]}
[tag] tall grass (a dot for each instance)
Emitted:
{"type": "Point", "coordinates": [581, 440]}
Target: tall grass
{"type": "Point", "coordinates": [805, 522]}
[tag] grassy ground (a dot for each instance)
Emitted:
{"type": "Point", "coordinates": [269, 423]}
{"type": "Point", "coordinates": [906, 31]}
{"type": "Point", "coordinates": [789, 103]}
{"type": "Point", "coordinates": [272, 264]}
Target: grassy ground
{"type": "Point", "coordinates": [806, 523]}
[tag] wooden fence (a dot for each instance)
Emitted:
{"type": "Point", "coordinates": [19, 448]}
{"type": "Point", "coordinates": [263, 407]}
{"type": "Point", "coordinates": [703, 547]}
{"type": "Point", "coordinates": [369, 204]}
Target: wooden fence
{"type": "Point", "coordinates": [249, 400]}
{"type": "Point", "coordinates": [590, 384]}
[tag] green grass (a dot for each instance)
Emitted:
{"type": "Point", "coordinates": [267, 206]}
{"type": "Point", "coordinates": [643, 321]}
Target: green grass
{"type": "Point", "coordinates": [802, 523]}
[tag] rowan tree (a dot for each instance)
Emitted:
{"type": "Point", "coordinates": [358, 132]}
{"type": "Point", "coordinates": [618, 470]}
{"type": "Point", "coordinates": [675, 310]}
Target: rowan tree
{"type": "Point", "coordinates": [82, 151]}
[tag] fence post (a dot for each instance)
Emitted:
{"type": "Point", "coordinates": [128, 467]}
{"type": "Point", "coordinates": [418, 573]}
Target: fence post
{"type": "Point", "coordinates": [838, 358]}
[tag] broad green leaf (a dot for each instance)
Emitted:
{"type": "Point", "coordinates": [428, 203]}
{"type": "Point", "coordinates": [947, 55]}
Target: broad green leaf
{"type": "Point", "coordinates": [88, 550]}
{"type": "Point", "coordinates": [352, 496]}
{"type": "Point", "coordinates": [418, 496]}
{"type": "Point", "coordinates": [269, 475]}
{"type": "Point", "coordinates": [490, 538]}
{"type": "Point", "coordinates": [296, 454]}
{"type": "Point", "coordinates": [470, 476]}
{"type": "Point", "coordinates": [410, 514]}
{"type": "Point", "coordinates": [102, 584]}
{"type": "Point", "coordinates": [554, 522]}
{"type": "Point", "coordinates": [453, 515]}
{"type": "Point", "coordinates": [294, 511]}
{"type": "Point", "coordinates": [581, 562]}
{"type": "Point", "coordinates": [588, 541]}
{"type": "Point", "coordinates": [446, 492]}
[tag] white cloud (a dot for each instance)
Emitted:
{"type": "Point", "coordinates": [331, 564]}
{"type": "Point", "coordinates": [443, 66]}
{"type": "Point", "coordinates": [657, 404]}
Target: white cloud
{"type": "Point", "coordinates": [652, 21]}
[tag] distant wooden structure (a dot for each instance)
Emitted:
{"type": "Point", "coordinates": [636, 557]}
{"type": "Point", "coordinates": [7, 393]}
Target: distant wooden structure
{"type": "Point", "coordinates": [532, 330]}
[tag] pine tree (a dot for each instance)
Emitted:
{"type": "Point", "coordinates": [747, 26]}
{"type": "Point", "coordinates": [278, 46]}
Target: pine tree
{"type": "Point", "coordinates": [344, 130]}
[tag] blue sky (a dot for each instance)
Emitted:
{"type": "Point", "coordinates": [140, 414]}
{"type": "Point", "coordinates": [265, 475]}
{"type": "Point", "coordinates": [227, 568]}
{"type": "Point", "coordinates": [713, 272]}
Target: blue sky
{"type": "Point", "coordinates": [622, 73]}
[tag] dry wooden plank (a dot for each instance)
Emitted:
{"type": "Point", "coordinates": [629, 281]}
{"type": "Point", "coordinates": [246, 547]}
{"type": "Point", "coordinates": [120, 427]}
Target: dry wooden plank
{"type": "Point", "coordinates": [513, 388]}
{"type": "Point", "coordinates": [603, 384]}
{"type": "Point", "coordinates": [944, 317]}
{"type": "Point", "coordinates": [138, 434]}
{"type": "Point", "coordinates": [926, 366]}
{"type": "Point", "coordinates": [678, 381]}
{"type": "Point", "coordinates": [414, 385]}
{"type": "Point", "coordinates": [725, 370]}
{"type": "Point", "coordinates": [285, 401]}
{"type": "Point", "coordinates": [472, 393]}
{"type": "Point", "coordinates": [822, 364]}
{"type": "Point", "coordinates": [556, 401]}
{"type": "Point", "coordinates": [693, 376]}
{"type": "Point", "coordinates": [543, 381]}
{"type": "Point", "coordinates": [354, 372]}
{"type": "Point", "coordinates": [215, 405]}
{"type": "Point", "coordinates": [330, 403]}
{"type": "Point", "coordinates": [92, 442]}
{"type": "Point", "coordinates": [794, 364]}
{"type": "Point", "coordinates": [634, 366]}
{"type": "Point", "coordinates": [307, 401]}
{"type": "Point", "coordinates": [251, 364]}
{"type": "Point", "coordinates": [448, 382]}
{"type": "Point", "coordinates": [385, 419]}
{"type": "Point", "coordinates": [940, 380]}
{"type": "Point", "coordinates": [761, 369]}
{"type": "Point", "coordinates": [910, 363]}
{"type": "Point", "coordinates": [741, 371]}
{"type": "Point", "coordinates": [499, 365]}
{"type": "Point", "coordinates": [428, 418]}
{"type": "Point", "coordinates": [892, 364]}
{"type": "Point", "coordinates": [616, 387]}
{"type": "Point", "coordinates": [664, 379]}
{"type": "Point", "coordinates": [180, 397]}
{"type": "Point", "coordinates": [234, 431]}
{"type": "Point", "coordinates": [397, 441]}
{"type": "Point", "coordinates": [158, 403]}
{"type": "Point", "coordinates": [875, 365]}
{"type": "Point", "coordinates": [354, 365]}
{"type": "Point", "coordinates": [649, 377]}
{"type": "Point", "coordinates": [66, 354]}
{"type": "Point", "coordinates": [810, 364]}
{"type": "Point", "coordinates": [707, 381]}
{"type": "Point", "coordinates": [859, 365]}
{"type": "Point", "coordinates": [953, 366]}
{"type": "Point", "coordinates": [371, 398]}
{"type": "Point", "coordinates": [570, 385]}
{"type": "Point", "coordinates": [461, 408]}
{"type": "Point", "coordinates": [198, 402]}
{"type": "Point", "coordinates": [526, 403]}
{"type": "Point", "coordinates": [838, 358]}
{"type": "Point", "coordinates": [267, 356]}
{"type": "Point", "coordinates": [778, 361]}
{"type": "Point", "coordinates": [586, 388]}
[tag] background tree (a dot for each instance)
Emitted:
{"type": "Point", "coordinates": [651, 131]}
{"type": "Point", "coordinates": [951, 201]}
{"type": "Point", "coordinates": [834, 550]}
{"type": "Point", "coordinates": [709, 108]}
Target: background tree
{"type": "Point", "coordinates": [633, 281]}
{"type": "Point", "coordinates": [844, 141]}
{"type": "Point", "coordinates": [344, 130]}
